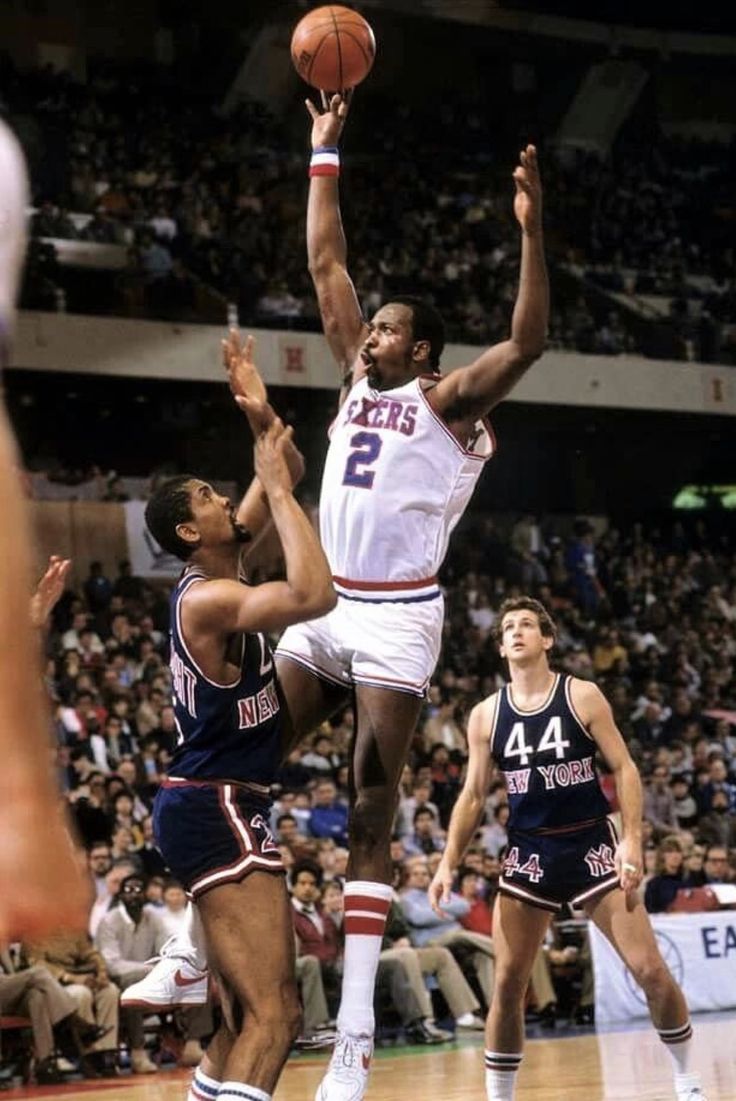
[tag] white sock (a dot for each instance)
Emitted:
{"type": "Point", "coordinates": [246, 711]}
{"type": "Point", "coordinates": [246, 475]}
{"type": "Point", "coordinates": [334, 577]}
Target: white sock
{"type": "Point", "coordinates": [203, 1088]}
{"type": "Point", "coordinates": [366, 909]}
{"type": "Point", "coordinates": [679, 1044]}
{"type": "Point", "coordinates": [501, 1071]}
{"type": "Point", "coordinates": [198, 957]}
{"type": "Point", "coordinates": [13, 206]}
{"type": "Point", "coordinates": [241, 1091]}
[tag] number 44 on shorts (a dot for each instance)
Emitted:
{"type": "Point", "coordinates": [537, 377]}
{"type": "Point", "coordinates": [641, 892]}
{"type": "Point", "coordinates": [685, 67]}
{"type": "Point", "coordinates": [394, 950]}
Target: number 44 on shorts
{"type": "Point", "coordinates": [531, 868]}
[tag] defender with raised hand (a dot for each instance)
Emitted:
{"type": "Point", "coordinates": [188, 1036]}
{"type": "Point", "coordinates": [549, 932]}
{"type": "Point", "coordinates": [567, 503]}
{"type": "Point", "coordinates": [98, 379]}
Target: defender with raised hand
{"type": "Point", "coordinates": [543, 731]}
{"type": "Point", "coordinates": [211, 813]}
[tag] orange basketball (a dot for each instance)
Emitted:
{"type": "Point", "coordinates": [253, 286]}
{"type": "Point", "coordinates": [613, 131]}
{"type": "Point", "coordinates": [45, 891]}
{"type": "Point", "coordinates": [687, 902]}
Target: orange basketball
{"type": "Point", "coordinates": [333, 48]}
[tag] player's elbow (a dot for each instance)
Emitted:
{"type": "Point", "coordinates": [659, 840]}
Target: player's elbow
{"type": "Point", "coordinates": [526, 351]}
{"type": "Point", "coordinates": [314, 600]}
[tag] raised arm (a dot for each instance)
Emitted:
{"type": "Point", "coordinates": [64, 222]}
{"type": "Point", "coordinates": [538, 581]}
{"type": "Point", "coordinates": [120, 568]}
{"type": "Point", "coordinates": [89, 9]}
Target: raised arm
{"type": "Point", "coordinates": [595, 714]}
{"type": "Point", "coordinates": [249, 391]}
{"type": "Point", "coordinates": [468, 809]}
{"type": "Point", "coordinates": [225, 607]}
{"type": "Point", "coordinates": [339, 308]}
{"type": "Point", "coordinates": [472, 391]}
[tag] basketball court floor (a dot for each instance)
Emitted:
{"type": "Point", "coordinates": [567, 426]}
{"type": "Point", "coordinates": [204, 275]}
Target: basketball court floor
{"type": "Point", "coordinates": [625, 1065]}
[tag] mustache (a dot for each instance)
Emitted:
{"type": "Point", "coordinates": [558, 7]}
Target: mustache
{"type": "Point", "coordinates": [242, 535]}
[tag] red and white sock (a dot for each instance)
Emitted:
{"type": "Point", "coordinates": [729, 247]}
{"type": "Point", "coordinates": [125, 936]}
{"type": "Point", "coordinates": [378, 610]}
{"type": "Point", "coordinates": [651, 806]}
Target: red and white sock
{"type": "Point", "coordinates": [502, 1068]}
{"type": "Point", "coordinates": [679, 1043]}
{"type": "Point", "coordinates": [366, 910]}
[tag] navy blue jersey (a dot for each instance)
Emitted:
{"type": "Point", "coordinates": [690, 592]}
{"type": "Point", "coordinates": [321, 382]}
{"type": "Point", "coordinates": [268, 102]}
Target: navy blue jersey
{"type": "Point", "coordinates": [547, 757]}
{"type": "Point", "coordinates": [226, 731]}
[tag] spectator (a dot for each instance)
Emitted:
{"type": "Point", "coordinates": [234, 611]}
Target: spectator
{"type": "Point", "coordinates": [662, 889]}
{"type": "Point", "coordinates": [73, 961]}
{"type": "Point", "coordinates": [427, 837]}
{"type": "Point", "coordinates": [329, 817]}
{"type": "Point", "coordinates": [316, 933]}
{"type": "Point", "coordinates": [128, 937]}
{"type": "Point", "coordinates": [659, 801]}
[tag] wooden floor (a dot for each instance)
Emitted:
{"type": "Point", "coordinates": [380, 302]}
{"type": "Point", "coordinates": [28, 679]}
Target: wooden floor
{"type": "Point", "coordinates": [614, 1066]}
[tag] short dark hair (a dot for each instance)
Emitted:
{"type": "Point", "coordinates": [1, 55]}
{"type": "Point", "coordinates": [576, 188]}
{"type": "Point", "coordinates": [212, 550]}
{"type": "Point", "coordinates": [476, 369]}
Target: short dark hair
{"type": "Point", "coordinates": [426, 324]}
{"type": "Point", "coordinates": [529, 604]}
{"type": "Point", "coordinates": [307, 866]}
{"type": "Point", "coordinates": [169, 506]}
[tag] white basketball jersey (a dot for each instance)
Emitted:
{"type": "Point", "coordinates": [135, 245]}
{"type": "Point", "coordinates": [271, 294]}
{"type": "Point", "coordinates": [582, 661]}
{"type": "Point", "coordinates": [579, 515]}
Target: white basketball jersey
{"type": "Point", "coordinates": [396, 482]}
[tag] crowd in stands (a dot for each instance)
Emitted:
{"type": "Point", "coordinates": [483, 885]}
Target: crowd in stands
{"type": "Point", "coordinates": [200, 201]}
{"type": "Point", "coordinates": [649, 613]}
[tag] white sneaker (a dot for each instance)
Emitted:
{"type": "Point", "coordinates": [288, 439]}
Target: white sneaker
{"type": "Point", "coordinates": [470, 1021]}
{"type": "Point", "coordinates": [173, 982]}
{"type": "Point", "coordinates": [689, 1089]}
{"type": "Point", "coordinates": [347, 1074]}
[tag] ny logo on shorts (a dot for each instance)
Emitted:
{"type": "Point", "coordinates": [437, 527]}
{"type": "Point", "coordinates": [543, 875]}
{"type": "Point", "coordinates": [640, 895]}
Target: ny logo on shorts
{"type": "Point", "coordinates": [600, 860]}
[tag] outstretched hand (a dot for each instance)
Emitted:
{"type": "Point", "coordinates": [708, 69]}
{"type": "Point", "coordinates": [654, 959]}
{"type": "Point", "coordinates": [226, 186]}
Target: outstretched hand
{"type": "Point", "coordinates": [246, 384]}
{"type": "Point", "coordinates": [328, 125]}
{"type": "Point", "coordinates": [270, 454]}
{"type": "Point", "coordinates": [49, 589]}
{"type": "Point", "coordinates": [528, 198]}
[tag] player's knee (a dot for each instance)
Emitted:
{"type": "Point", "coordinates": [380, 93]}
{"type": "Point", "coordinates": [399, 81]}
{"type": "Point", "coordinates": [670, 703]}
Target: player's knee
{"type": "Point", "coordinates": [510, 984]}
{"type": "Point", "coordinates": [371, 819]}
{"type": "Point", "coordinates": [650, 972]}
{"type": "Point", "coordinates": [279, 1017]}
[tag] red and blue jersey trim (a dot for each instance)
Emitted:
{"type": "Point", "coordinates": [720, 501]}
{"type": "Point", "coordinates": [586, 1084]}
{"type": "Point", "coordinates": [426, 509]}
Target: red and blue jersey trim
{"type": "Point", "coordinates": [387, 592]}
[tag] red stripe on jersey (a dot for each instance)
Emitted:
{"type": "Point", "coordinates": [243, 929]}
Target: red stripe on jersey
{"type": "Point", "coordinates": [384, 586]}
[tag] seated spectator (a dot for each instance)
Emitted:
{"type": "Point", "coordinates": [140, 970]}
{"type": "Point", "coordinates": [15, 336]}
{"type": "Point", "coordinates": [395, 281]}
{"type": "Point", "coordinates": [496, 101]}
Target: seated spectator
{"type": "Point", "coordinates": [684, 806]}
{"type": "Point", "coordinates": [321, 759]}
{"type": "Point", "coordinates": [494, 837]}
{"type": "Point", "coordinates": [80, 969]}
{"type": "Point", "coordinates": [402, 970]}
{"type": "Point", "coordinates": [659, 802]}
{"type": "Point", "coordinates": [34, 992]}
{"type": "Point", "coordinates": [148, 853]}
{"type": "Point", "coordinates": [719, 826]}
{"type": "Point", "coordinates": [716, 867]}
{"type": "Point", "coordinates": [718, 780]}
{"type": "Point", "coordinates": [99, 863]}
{"type": "Point", "coordinates": [427, 837]}
{"type": "Point", "coordinates": [316, 932]}
{"type": "Point", "coordinates": [428, 928]}
{"type": "Point", "coordinates": [421, 796]}
{"type": "Point", "coordinates": [173, 913]}
{"type": "Point", "coordinates": [128, 937]}
{"type": "Point", "coordinates": [109, 900]}
{"type": "Point", "coordinates": [479, 918]}
{"type": "Point", "coordinates": [329, 817]}
{"type": "Point", "coordinates": [662, 889]}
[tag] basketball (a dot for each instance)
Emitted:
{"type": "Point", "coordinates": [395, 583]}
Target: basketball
{"type": "Point", "coordinates": [333, 48]}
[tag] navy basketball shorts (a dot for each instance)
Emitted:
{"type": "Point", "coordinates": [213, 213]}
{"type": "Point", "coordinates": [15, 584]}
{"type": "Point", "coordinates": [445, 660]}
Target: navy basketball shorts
{"type": "Point", "coordinates": [548, 870]}
{"type": "Point", "coordinates": [212, 833]}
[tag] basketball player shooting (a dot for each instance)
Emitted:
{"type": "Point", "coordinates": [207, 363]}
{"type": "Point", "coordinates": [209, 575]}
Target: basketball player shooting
{"type": "Point", "coordinates": [542, 731]}
{"type": "Point", "coordinates": [406, 450]}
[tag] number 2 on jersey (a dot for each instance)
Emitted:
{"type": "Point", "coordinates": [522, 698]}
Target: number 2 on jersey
{"type": "Point", "coordinates": [367, 448]}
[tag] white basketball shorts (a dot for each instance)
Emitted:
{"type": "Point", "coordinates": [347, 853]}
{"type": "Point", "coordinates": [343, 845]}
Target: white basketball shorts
{"type": "Point", "coordinates": [383, 644]}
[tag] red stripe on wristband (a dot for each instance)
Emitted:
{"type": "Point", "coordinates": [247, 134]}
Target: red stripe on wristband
{"type": "Point", "coordinates": [324, 170]}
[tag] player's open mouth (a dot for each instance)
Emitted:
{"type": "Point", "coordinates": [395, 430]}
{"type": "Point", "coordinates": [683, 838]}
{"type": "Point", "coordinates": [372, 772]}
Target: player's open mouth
{"type": "Point", "coordinates": [367, 357]}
